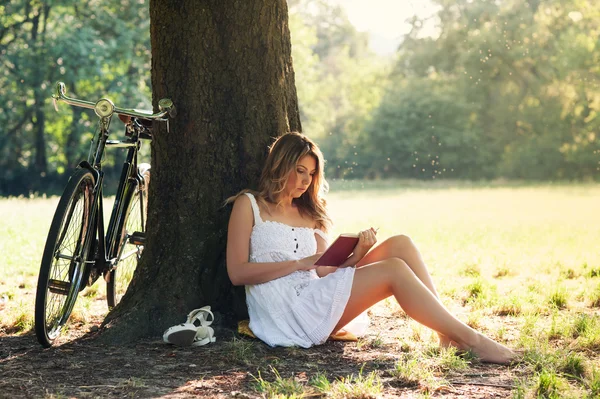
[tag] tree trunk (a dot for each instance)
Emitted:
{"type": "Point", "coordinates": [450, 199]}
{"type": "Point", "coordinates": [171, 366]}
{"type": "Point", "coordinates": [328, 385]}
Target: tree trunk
{"type": "Point", "coordinates": [40, 164]}
{"type": "Point", "coordinates": [227, 67]}
{"type": "Point", "coordinates": [72, 151]}
{"type": "Point", "coordinates": [38, 37]}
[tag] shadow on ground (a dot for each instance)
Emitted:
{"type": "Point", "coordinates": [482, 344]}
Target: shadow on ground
{"type": "Point", "coordinates": [83, 368]}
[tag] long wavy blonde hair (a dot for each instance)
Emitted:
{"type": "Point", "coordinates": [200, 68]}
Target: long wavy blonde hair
{"type": "Point", "coordinates": [284, 155]}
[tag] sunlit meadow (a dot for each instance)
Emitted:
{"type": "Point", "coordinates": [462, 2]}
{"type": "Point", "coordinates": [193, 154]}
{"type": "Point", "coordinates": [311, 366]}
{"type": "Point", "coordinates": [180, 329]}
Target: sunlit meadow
{"type": "Point", "coordinates": [518, 262]}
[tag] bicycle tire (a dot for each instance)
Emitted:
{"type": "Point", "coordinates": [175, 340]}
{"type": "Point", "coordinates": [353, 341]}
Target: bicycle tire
{"type": "Point", "coordinates": [65, 253]}
{"type": "Point", "coordinates": [134, 220]}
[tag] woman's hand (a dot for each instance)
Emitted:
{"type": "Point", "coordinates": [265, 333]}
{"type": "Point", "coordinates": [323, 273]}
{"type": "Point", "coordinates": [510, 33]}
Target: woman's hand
{"type": "Point", "coordinates": [308, 263]}
{"type": "Point", "coordinates": [366, 240]}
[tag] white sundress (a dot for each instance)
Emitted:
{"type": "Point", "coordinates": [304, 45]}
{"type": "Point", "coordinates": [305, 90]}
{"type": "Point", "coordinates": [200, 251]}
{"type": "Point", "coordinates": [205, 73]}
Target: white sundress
{"type": "Point", "coordinates": [300, 309]}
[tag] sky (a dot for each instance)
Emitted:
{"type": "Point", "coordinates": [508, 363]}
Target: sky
{"type": "Point", "coordinates": [385, 19]}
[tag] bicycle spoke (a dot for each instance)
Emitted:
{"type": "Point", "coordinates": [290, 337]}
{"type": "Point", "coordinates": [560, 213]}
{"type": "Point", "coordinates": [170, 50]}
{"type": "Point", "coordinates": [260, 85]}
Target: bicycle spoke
{"type": "Point", "coordinates": [129, 253]}
{"type": "Point", "coordinates": [66, 259]}
{"type": "Point", "coordinates": [128, 263]}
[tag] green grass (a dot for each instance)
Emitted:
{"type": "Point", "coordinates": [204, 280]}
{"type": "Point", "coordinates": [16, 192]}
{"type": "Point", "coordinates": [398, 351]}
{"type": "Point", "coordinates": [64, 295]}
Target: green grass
{"type": "Point", "coordinates": [549, 385]}
{"type": "Point", "coordinates": [521, 261]}
{"type": "Point", "coordinates": [518, 261]}
{"type": "Point", "coordinates": [409, 371]}
{"type": "Point", "coordinates": [594, 297]}
{"type": "Point", "coordinates": [354, 386]}
{"type": "Point", "coordinates": [240, 351]}
{"type": "Point", "coordinates": [594, 384]}
{"type": "Point", "coordinates": [278, 388]}
{"type": "Point", "coordinates": [357, 386]}
{"type": "Point", "coordinates": [25, 224]}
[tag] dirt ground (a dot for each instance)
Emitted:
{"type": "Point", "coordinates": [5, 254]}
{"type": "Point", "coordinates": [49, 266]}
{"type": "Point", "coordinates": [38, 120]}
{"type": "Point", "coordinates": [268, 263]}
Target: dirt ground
{"type": "Point", "coordinates": [80, 367]}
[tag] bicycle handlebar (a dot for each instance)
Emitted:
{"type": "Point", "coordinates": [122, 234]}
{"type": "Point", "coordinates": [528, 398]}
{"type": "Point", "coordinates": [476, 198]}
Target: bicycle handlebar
{"type": "Point", "coordinates": [165, 105]}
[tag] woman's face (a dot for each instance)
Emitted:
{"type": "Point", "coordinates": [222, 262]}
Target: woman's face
{"type": "Point", "coordinates": [301, 177]}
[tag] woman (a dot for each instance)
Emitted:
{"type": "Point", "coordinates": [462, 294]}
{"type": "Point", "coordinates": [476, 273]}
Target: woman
{"type": "Point", "coordinates": [277, 234]}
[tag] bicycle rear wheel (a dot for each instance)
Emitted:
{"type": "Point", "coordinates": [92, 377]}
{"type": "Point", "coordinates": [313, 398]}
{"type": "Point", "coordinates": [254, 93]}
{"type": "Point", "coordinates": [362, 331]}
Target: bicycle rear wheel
{"type": "Point", "coordinates": [130, 247]}
{"type": "Point", "coordinates": [64, 257]}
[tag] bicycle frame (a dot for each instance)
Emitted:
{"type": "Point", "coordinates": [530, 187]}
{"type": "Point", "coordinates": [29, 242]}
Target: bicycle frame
{"type": "Point", "coordinates": [106, 258]}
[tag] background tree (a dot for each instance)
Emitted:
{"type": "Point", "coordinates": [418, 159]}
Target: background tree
{"type": "Point", "coordinates": [85, 45]}
{"type": "Point", "coordinates": [523, 80]}
{"type": "Point", "coordinates": [519, 80]}
{"type": "Point", "coordinates": [340, 81]}
{"type": "Point", "coordinates": [227, 66]}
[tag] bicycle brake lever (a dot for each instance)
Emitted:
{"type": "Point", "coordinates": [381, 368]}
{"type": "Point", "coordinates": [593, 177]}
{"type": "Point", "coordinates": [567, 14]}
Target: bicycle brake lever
{"type": "Point", "coordinates": [165, 104]}
{"type": "Point", "coordinates": [173, 112]}
{"type": "Point", "coordinates": [55, 103]}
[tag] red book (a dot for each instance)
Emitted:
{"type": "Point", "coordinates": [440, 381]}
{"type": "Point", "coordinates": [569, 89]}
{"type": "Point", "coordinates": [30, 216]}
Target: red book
{"type": "Point", "coordinates": [338, 251]}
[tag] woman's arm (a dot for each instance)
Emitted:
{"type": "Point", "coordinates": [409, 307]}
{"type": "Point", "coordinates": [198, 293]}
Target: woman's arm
{"type": "Point", "coordinates": [366, 240]}
{"type": "Point", "coordinates": [242, 272]}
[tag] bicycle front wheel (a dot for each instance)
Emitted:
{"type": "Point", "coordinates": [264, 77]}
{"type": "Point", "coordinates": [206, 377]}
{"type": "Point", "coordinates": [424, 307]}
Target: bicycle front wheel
{"type": "Point", "coordinates": [64, 257]}
{"type": "Point", "coordinates": [130, 247]}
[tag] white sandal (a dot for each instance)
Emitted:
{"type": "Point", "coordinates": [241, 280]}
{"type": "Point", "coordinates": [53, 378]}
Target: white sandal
{"type": "Point", "coordinates": [190, 334]}
{"type": "Point", "coordinates": [181, 334]}
{"type": "Point", "coordinates": [201, 315]}
{"type": "Point", "coordinates": [204, 333]}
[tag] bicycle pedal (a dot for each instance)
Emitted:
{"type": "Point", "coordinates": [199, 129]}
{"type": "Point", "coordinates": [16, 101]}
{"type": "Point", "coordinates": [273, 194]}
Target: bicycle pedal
{"type": "Point", "coordinates": [137, 238]}
{"type": "Point", "coordinates": [59, 287]}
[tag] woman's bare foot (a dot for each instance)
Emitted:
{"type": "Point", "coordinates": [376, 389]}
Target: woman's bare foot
{"type": "Point", "coordinates": [490, 351]}
{"type": "Point", "coordinates": [446, 342]}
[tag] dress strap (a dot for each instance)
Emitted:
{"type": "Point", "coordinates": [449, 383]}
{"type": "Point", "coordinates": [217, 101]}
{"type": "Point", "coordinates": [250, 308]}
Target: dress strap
{"type": "Point", "coordinates": [255, 209]}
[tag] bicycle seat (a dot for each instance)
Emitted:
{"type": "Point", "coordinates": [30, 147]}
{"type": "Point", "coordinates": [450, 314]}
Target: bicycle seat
{"type": "Point", "coordinates": [144, 122]}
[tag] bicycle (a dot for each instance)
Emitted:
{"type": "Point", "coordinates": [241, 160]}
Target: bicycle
{"type": "Point", "coordinates": [78, 249]}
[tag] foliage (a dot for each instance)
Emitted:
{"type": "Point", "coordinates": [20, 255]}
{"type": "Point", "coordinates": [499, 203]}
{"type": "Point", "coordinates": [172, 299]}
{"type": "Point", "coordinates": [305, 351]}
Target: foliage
{"type": "Point", "coordinates": [498, 89]}
{"type": "Point", "coordinates": [340, 81]}
{"type": "Point", "coordinates": [96, 48]}
{"type": "Point", "coordinates": [510, 89]}
{"type": "Point", "coordinates": [421, 131]}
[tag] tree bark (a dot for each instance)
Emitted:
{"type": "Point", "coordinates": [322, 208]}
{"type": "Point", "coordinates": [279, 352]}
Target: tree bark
{"type": "Point", "coordinates": [227, 67]}
{"type": "Point", "coordinates": [38, 36]}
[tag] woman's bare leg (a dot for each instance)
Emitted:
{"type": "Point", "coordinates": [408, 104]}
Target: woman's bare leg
{"type": "Point", "coordinates": [393, 276]}
{"type": "Point", "coordinates": [402, 247]}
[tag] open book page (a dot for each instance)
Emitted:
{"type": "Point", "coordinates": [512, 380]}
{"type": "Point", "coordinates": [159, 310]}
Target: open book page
{"type": "Point", "coordinates": [338, 251]}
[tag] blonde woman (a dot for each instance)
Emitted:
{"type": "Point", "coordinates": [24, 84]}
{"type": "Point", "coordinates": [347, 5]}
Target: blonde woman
{"type": "Point", "coordinates": [275, 237]}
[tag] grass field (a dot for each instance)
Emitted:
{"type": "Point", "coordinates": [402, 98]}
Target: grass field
{"type": "Point", "coordinates": [519, 262]}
